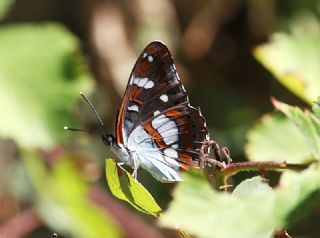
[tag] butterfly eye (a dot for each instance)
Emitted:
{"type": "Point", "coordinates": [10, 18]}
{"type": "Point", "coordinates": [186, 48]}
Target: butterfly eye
{"type": "Point", "coordinates": [107, 139]}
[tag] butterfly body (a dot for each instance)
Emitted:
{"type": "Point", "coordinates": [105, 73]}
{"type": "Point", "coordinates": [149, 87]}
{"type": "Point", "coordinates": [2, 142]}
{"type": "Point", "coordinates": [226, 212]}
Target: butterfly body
{"type": "Point", "coordinates": [156, 127]}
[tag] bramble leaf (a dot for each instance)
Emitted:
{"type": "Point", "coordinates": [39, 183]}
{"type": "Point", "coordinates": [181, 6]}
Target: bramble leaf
{"type": "Point", "coordinates": [306, 122]}
{"type": "Point", "coordinates": [203, 212]}
{"type": "Point", "coordinates": [294, 58]}
{"type": "Point", "coordinates": [126, 188]}
{"type": "Point", "coordinates": [251, 186]}
{"type": "Point", "coordinates": [276, 138]}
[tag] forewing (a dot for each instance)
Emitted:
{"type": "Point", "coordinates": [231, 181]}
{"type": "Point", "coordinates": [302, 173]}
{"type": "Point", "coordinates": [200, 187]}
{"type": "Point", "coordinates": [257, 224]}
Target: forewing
{"type": "Point", "coordinates": [156, 99]}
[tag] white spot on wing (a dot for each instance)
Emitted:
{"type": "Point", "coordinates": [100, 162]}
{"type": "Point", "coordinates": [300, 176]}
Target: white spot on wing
{"type": "Point", "coordinates": [136, 80]}
{"type": "Point", "coordinates": [131, 79]}
{"type": "Point", "coordinates": [170, 136]}
{"type": "Point", "coordinates": [164, 97]}
{"type": "Point", "coordinates": [156, 113]}
{"type": "Point", "coordinates": [133, 108]}
{"type": "Point", "coordinates": [145, 54]}
{"type": "Point", "coordinates": [171, 153]}
{"type": "Point", "coordinates": [175, 146]}
{"type": "Point", "coordinates": [149, 84]}
{"type": "Point", "coordinates": [159, 121]}
{"type": "Point", "coordinates": [142, 82]}
{"type": "Point", "coordinates": [167, 129]}
{"type": "Point", "coordinates": [150, 58]}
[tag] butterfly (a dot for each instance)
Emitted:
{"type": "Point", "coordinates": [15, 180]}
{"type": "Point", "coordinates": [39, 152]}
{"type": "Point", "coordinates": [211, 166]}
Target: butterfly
{"type": "Point", "coordinates": [156, 128]}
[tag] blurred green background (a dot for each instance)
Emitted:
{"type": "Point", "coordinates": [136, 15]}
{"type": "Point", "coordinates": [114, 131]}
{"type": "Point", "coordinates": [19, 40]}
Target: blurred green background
{"type": "Point", "coordinates": [228, 55]}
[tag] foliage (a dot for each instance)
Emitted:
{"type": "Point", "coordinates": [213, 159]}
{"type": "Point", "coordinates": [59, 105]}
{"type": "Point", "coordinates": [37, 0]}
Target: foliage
{"type": "Point", "coordinates": [31, 58]}
{"type": "Point", "coordinates": [294, 58]}
{"type": "Point", "coordinates": [214, 214]}
{"type": "Point", "coordinates": [265, 135]}
{"type": "Point", "coordinates": [307, 122]}
{"type": "Point", "coordinates": [4, 7]}
{"type": "Point", "coordinates": [126, 188]}
{"type": "Point", "coordinates": [65, 206]}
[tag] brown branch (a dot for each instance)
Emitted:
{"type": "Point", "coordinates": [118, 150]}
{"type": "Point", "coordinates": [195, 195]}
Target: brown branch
{"type": "Point", "coordinates": [225, 169]}
{"type": "Point", "coordinates": [234, 168]}
{"type": "Point", "coordinates": [252, 166]}
{"type": "Point", "coordinates": [224, 173]}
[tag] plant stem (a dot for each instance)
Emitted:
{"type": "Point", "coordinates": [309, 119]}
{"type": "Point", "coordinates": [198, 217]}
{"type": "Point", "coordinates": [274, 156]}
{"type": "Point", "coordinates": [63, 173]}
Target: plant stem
{"type": "Point", "coordinates": [235, 168]}
{"type": "Point", "coordinates": [22, 224]}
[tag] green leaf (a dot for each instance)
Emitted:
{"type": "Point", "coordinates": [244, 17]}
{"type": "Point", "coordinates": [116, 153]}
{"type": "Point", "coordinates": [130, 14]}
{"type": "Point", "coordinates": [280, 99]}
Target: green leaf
{"type": "Point", "coordinates": [126, 188]}
{"type": "Point", "coordinates": [249, 187]}
{"type": "Point", "coordinates": [41, 74]}
{"type": "Point", "coordinates": [4, 7]}
{"type": "Point", "coordinates": [307, 123]}
{"type": "Point", "coordinates": [294, 58]}
{"type": "Point", "coordinates": [316, 108]}
{"type": "Point", "coordinates": [206, 213]}
{"type": "Point", "coordinates": [62, 199]}
{"type": "Point", "coordinates": [276, 138]}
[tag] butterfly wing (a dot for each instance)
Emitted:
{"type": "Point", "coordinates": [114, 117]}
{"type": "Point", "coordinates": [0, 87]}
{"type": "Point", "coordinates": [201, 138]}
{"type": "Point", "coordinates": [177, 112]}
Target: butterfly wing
{"type": "Point", "coordinates": [156, 101]}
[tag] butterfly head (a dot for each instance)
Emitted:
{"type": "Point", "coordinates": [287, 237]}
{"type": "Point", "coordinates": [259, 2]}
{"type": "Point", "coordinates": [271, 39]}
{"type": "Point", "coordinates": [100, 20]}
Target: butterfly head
{"type": "Point", "coordinates": [108, 139]}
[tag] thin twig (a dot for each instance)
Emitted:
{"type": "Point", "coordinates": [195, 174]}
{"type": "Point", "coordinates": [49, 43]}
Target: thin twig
{"type": "Point", "coordinates": [225, 170]}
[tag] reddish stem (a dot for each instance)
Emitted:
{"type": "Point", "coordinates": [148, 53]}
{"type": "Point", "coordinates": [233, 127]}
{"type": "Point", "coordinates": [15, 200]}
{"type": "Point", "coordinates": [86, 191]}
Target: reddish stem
{"type": "Point", "coordinates": [235, 168]}
{"type": "Point", "coordinates": [132, 225]}
{"type": "Point", "coordinates": [21, 224]}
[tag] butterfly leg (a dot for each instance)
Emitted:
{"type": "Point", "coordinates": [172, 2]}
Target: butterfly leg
{"type": "Point", "coordinates": [135, 167]}
{"type": "Point", "coordinates": [216, 150]}
{"type": "Point", "coordinates": [119, 164]}
{"type": "Point", "coordinates": [217, 153]}
{"type": "Point", "coordinates": [227, 155]}
{"type": "Point", "coordinates": [205, 158]}
{"type": "Point", "coordinates": [135, 174]}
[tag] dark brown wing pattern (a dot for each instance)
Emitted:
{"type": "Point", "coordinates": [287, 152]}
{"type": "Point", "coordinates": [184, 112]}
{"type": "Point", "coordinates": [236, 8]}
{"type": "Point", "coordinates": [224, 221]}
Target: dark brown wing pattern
{"type": "Point", "coordinates": [156, 99]}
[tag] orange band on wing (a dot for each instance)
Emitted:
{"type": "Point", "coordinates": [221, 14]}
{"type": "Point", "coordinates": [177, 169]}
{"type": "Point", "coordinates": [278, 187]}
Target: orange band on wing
{"type": "Point", "coordinates": [119, 123]}
{"type": "Point", "coordinates": [185, 157]}
{"type": "Point", "coordinates": [136, 91]}
{"type": "Point", "coordinates": [184, 166]}
{"type": "Point", "coordinates": [155, 135]}
{"type": "Point", "coordinates": [142, 69]}
{"type": "Point", "coordinates": [173, 113]}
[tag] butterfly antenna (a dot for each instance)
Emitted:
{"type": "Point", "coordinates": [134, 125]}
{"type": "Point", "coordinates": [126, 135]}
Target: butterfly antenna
{"type": "Point", "coordinates": [93, 109]}
{"type": "Point", "coordinates": [75, 129]}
